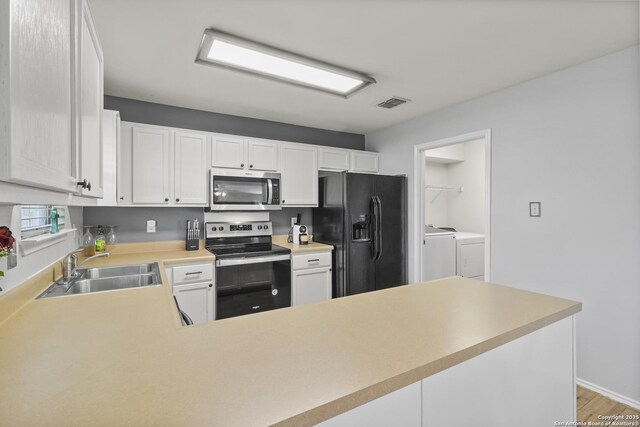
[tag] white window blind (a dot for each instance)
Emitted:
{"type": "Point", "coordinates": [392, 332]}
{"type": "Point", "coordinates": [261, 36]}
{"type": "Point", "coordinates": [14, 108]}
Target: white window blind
{"type": "Point", "coordinates": [35, 219]}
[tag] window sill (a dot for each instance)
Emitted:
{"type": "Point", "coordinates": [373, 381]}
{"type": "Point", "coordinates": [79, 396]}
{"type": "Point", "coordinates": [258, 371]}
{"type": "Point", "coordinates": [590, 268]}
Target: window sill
{"type": "Point", "coordinates": [37, 243]}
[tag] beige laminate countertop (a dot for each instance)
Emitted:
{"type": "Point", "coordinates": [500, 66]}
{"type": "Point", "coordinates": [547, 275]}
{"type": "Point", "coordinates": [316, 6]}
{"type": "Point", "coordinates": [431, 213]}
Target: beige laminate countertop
{"type": "Point", "coordinates": [121, 358]}
{"type": "Point", "coordinates": [310, 247]}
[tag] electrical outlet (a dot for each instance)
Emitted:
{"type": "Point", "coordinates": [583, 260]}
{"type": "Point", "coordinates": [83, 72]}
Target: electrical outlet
{"type": "Point", "coordinates": [293, 220]}
{"type": "Point", "coordinates": [535, 209]}
{"type": "Point", "coordinates": [151, 226]}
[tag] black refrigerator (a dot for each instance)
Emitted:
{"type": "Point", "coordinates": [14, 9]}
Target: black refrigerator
{"type": "Point", "coordinates": [365, 218]}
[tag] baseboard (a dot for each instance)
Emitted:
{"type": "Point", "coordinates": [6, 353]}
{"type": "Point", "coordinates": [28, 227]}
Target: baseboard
{"type": "Point", "coordinates": [608, 393]}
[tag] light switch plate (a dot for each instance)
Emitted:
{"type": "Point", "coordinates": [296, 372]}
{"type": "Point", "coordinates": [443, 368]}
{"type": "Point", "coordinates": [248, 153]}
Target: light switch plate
{"type": "Point", "coordinates": [151, 226]}
{"type": "Point", "coordinates": [535, 209]}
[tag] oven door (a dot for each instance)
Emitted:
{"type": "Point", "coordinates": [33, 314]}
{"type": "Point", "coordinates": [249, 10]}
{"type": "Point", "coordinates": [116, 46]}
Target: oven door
{"type": "Point", "coordinates": [244, 190]}
{"type": "Point", "coordinates": [251, 285]}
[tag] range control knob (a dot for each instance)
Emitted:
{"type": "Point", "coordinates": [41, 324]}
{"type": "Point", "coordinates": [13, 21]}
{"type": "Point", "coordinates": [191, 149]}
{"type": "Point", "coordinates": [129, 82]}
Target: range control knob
{"type": "Point", "coordinates": [259, 227]}
{"type": "Point", "coordinates": [221, 228]}
{"type": "Point", "coordinates": [214, 228]}
{"type": "Point", "coordinates": [266, 227]}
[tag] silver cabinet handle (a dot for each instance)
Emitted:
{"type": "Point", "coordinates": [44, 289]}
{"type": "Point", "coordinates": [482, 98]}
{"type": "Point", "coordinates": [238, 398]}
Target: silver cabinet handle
{"type": "Point", "coordinates": [193, 272]}
{"type": "Point", "coordinates": [314, 260]}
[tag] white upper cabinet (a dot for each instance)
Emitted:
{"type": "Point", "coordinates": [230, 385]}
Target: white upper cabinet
{"type": "Point", "coordinates": [162, 166]}
{"type": "Point", "coordinates": [228, 151]}
{"type": "Point", "coordinates": [36, 136]}
{"type": "Point", "coordinates": [236, 152]}
{"type": "Point", "coordinates": [89, 101]}
{"type": "Point", "coordinates": [110, 147]}
{"type": "Point", "coordinates": [190, 168]}
{"type": "Point", "coordinates": [364, 161]}
{"type": "Point", "coordinates": [150, 165]}
{"type": "Point", "coordinates": [262, 155]}
{"type": "Point", "coordinates": [333, 159]}
{"type": "Point", "coordinates": [299, 169]}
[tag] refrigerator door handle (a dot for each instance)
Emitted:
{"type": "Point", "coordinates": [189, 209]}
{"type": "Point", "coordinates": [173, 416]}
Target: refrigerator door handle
{"type": "Point", "coordinates": [374, 220]}
{"type": "Point", "coordinates": [379, 228]}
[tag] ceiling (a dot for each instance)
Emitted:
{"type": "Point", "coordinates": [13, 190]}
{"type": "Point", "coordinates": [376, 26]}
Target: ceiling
{"type": "Point", "coordinates": [436, 53]}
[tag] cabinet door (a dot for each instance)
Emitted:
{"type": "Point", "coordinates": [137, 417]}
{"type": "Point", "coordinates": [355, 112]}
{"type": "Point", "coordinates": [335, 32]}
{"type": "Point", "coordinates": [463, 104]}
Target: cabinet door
{"type": "Point", "coordinates": [196, 300]}
{"type": "Point", "coordinates": [124, 168]}
{"type": "Point", "coordinates": [263, 155]}
{"type": "Point", "coordinates": [310, 285]}
{"type": "Point", "coordinates": [471, 260]}
{"type": "Point", "coordinates": [190, 168]}
{"type": "Point", "coordinates": [36, 139]}
{"type": "Point", "coordinates": [90, 84]}
{"type": "Point", "coordinates": [150, 165]}
{"type": "Point", "coordinates": [299, 169]}
{"type": "Point", "coordinates": [363, 161]}
{"type": "Point", "coordinates": [110, 144]}
{"type": "Point", "coordinates": [228, 151]}
{"type": "Point", "coordinates": [333, 160]}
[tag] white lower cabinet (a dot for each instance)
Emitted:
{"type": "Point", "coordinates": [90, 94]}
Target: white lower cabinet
{"type": "Point", "coordinates": [526, 382]}
{"type": "Point", "coordinates": [194, 288]}
{"type": "Point", "coordinates": [401, 408]}
{"type": "Point", "coordinates": [197, 300]}
{"type": "Point", "coordinates": [310, 277]}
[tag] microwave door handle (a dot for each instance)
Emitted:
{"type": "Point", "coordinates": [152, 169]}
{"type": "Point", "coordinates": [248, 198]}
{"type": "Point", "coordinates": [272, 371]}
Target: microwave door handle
{"type": "Point", "coordinates": [269, 190]}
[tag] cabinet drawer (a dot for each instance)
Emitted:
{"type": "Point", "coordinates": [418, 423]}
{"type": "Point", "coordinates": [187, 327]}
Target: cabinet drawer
{"type": "Point", "coordinates": [192, 273]}
{"type": "Point", "coordinates": [311, 260]}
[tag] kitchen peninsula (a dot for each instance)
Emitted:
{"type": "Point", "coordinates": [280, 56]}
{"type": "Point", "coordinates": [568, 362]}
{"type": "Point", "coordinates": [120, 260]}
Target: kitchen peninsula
{"type": "Point", "coordinates": [415, 353]}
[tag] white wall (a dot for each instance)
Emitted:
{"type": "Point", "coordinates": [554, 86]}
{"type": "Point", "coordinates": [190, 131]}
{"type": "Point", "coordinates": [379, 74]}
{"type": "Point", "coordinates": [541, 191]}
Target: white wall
{"type": "Point", "coordinates": [570, 140]}
{"type": "Point", "coordinates": [467, 209]}
{"type": "Point", "coordinates": [33, 263]}
{"type": "Point", "coordinates": [436, 207]}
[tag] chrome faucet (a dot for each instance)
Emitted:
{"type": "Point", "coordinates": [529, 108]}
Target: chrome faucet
{"type": "Point", "coordinates": [70, 264]}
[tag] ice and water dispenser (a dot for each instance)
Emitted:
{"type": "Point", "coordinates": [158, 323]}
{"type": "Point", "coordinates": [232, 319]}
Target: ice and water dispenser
{"type": "Point", "coordinates": [361, 228]}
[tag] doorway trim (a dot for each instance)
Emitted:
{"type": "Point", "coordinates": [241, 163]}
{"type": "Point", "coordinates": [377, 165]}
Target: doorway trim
{"type": "Point", "coordinates": [418, 188]}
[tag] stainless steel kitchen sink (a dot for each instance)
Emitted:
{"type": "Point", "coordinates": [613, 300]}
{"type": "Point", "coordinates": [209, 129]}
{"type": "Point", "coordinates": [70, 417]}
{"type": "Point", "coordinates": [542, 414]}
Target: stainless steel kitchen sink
{"type": "Point", "coordinates": [122, 270]}
{"type": "Point", "coordinates": [89, 280]}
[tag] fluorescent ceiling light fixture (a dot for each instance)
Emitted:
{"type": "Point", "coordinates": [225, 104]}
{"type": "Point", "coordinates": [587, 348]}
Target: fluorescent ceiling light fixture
{"type": "Point", "coordinates": [227, 51]}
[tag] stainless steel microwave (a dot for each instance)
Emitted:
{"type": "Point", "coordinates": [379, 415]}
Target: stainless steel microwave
{"type": "Point", "coordinates": [242, 190]}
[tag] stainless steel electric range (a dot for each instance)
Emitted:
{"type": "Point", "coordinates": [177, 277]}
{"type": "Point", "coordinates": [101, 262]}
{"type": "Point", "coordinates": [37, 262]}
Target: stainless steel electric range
{"type": "Point", "coordinates": [252, 274]}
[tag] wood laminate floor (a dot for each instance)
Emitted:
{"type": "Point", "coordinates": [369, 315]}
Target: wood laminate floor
{"type": "Point", "coordinates": [591, 404]}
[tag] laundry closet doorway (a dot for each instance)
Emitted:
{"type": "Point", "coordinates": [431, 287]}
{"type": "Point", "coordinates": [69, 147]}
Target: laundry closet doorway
{"type": "Point", "coordinates": [452, 210]}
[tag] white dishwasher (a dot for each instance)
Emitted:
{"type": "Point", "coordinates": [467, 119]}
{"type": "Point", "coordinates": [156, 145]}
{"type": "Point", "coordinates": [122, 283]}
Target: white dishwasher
{"type": "Point", "coordinates": [438, 254]}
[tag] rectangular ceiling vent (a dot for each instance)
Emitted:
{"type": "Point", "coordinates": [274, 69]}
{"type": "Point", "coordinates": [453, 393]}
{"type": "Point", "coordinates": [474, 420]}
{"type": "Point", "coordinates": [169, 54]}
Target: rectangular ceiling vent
{"type": "Point", "coordinates": [393, 102]}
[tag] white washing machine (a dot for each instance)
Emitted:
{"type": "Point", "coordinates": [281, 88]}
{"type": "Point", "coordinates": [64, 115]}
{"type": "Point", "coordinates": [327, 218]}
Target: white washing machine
{"type": "Point", "coordinates": [438, 254]}
{"type": "Point", "coordinates": [469, 254]}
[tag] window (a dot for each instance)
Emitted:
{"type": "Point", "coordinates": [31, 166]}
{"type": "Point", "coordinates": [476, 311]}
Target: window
{"type": "Point", "coordinates": [35, 219]}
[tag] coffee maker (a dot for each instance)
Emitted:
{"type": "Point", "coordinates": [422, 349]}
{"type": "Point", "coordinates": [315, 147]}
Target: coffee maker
{"type": "Point", "coordinates": [299, 234]}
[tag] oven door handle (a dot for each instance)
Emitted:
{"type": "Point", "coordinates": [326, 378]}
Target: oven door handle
{"type": "Point", "coordinates": [250, 260]}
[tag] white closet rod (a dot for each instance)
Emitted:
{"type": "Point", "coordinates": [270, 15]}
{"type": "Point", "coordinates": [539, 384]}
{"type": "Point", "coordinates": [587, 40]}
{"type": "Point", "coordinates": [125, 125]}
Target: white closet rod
{"type": "Point", "coordinates": [444, 188]}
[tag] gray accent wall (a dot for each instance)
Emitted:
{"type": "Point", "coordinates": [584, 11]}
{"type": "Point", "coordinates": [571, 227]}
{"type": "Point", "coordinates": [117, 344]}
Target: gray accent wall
{"type": "Point", "coordinates": [132, 110]}
{"type": "Point", "coordinates": [131, 222]}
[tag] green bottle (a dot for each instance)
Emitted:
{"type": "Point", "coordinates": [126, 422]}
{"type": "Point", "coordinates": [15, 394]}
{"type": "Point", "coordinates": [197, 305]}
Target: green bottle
{"type": "Point", "coordinates": [101, 242]}
{"type": "Point", "coordinates": [53, 217]}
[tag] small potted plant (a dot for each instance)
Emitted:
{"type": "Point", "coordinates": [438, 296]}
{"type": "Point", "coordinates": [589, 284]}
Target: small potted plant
{"type": "Point", "coordinates": [6, 245]}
